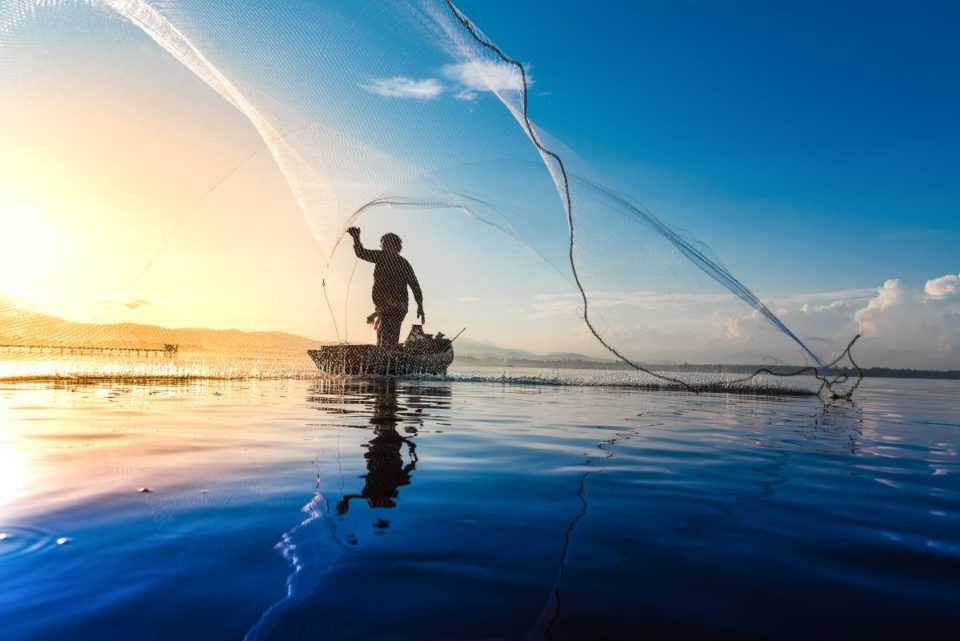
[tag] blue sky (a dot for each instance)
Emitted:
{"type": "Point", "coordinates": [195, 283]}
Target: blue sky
{"type": "Point", "coordinates": [813, 145]}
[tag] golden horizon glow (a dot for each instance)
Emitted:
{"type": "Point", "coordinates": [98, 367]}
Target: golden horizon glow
{"type": "Point", "coordinates": [138, 194]}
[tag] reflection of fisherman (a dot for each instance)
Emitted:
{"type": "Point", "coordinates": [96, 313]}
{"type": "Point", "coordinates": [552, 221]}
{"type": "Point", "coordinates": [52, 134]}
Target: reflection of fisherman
{"type": "Point", "coordinates": [386, 471]}
{"type": "Point", "coordinates": [391, 276]}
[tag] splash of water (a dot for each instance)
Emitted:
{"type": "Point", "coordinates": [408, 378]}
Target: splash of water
{"type": "Point", "coordinates": [310, 552]}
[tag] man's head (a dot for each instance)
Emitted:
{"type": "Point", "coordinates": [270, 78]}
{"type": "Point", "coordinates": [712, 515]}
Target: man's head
{"type": "Point", "coordinates": [391, 243]}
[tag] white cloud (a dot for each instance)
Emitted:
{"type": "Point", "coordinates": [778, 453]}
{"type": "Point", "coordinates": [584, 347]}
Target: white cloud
{"type": "Point", "coordinates": [403, 87]}
{"type": "Point", "coordinates": [807, 308]}
{"type": "Point", "coordinates": [916, 322]}
{"type": "Point", "coordinates": [731, 327]}
{"type": "Point", "coordinates": [464, 81]}
{"type": "Point", "coordinates": [466, 95]}
{"type": "Point", "coordinates": [485, 75]}
{"type": "Point", "coordinates": [820, 297]}
{"type": "Point", "coordinates": [828, 322]}
{"type": "Point", "coordinates": [901, 326]}
{"type": "Point", "coordinates": [942, 287]}
{"type": "Point", "coordinates": [893, 294]}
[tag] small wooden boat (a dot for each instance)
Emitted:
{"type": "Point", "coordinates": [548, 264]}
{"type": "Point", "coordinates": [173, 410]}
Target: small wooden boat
{"type": "Point", "coordinates": [432, 356]}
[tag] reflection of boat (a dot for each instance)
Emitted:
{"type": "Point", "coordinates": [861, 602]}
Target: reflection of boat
{"type": "Point", "coordinates": [432, 356]}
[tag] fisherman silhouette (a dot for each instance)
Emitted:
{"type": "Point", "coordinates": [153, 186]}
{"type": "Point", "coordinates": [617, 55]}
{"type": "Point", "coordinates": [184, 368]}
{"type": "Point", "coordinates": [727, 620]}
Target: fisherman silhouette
{"type": "Point", "coordinates": [391, 277]}
{"type": "Point", "coordinates": [386, 469]}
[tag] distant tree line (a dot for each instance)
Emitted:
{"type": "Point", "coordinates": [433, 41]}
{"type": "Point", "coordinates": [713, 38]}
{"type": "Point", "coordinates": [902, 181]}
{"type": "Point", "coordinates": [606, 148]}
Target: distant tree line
{"type": "Point", "coordinates": [875, 372]}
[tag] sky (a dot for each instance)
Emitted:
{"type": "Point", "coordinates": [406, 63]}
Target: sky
{"type": "Point", "coordinates": [817, 121]}
{"type": "Point", "coordinates": [812, 147]}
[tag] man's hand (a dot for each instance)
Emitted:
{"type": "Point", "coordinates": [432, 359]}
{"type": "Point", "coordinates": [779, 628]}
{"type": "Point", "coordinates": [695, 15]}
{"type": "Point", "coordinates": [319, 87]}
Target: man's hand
{"type": "Point", "coordinates": [354, 231]}
{"type": "Point", "coordinates": [420, 314]}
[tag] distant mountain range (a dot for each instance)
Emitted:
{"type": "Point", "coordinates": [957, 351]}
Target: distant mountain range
{"type": "Point", "coordinates": [485, 350]}
{"type": "Point", "coordinates": [21, 327]}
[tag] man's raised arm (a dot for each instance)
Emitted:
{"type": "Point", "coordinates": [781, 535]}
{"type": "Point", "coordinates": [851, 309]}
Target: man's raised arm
{"type": "Point", "coordinates": [369, 255]}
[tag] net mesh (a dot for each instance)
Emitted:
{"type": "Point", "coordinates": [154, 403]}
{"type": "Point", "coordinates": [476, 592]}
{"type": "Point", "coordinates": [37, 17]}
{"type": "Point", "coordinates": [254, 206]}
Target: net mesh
{"type": "Point", "coordinates": [200, 164]}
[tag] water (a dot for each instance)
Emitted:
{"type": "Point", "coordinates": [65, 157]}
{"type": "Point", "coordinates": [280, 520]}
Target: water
{"type": "Point", "coordinates": [461, 509]}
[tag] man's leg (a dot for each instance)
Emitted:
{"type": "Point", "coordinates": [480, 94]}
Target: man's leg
{"type": "Point", "coordinates": [389, 334]}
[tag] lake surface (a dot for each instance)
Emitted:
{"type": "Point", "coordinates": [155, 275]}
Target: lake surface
{"type": "Point", "coordinates": [469, 509]}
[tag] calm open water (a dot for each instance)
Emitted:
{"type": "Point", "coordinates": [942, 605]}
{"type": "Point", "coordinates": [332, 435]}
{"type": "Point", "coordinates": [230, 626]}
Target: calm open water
{"type": "Point", "coordinates": [306, 509]}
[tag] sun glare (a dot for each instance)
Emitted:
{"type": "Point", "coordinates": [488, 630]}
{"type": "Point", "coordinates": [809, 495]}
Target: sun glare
{"type": "Point", "coordinates": [14, 473]}
{"type": "Point", "coordinates": [31, 244]}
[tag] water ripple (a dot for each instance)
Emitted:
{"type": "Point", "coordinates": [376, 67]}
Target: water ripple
{"type": "Point", "coordinates": [17, 541]}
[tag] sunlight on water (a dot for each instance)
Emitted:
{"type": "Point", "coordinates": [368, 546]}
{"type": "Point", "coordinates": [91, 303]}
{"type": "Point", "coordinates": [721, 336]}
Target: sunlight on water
{"type": "Point", "coordinates": [14, 467]}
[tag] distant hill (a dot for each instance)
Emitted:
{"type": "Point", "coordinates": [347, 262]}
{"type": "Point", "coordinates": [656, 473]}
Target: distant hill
{"type": "Point", "coordinates": [486, 352]}
{"type": "Point", "coordinates": [20, 327]}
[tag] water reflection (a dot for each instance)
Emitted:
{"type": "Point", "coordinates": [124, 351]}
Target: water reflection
{"type": "Point", "coordinates": [387, 470]}
{"type": "Point", "coordinates": [395, 412]}
{"type": "Point", "coordinates": [840, 422]}
{"type": "Point", "coordinates": [835, 428]}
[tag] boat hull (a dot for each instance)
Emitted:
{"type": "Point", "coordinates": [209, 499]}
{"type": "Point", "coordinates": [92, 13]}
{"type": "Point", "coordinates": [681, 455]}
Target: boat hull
{"type": "Point", "coordinates": [370, 360]}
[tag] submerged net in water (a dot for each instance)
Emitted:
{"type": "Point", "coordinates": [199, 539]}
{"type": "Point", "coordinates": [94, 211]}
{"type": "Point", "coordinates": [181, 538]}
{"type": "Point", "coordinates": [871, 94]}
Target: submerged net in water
{"type": "Point", "coordinates": [199, 165]}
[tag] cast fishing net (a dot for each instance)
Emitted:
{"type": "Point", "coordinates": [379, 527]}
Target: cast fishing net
{"type": "Point", "coordinates": [199, 164]}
